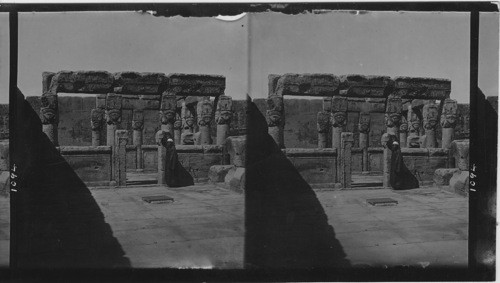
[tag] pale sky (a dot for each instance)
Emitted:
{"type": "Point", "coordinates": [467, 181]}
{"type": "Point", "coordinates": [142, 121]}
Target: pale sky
{"type": "Point", "coordinates": [376, 43]}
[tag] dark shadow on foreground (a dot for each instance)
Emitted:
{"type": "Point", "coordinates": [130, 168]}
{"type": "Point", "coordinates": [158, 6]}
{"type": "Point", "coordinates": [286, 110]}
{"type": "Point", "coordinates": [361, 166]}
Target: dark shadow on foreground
{"type": "Point", "coordinates": [286, 226]}
{"type": "Point", "coordinates": [57, 222]}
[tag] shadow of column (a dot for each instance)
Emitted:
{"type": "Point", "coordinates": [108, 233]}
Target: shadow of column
{"type": "Point", "coordinates": [286, 225]}
{"type": "Point", "coordinates": [57, 222]}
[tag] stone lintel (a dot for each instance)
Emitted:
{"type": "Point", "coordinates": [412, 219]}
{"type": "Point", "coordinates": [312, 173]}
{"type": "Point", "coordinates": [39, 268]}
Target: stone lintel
{"type": "Point", "coordinates": [196, 85]}
{"type": "Point", "coordinates": [365, 86]}
{"type": "Point", "coordinates": [82, 82]}
{"type": "Point", "coordinates": [310, 152]}
{"type": "Point", "coordinates": [422, 88]}
{"type": "Point", "coordinates": [307, 85]}
{"type": "Point", "coordinates": [140, 83]}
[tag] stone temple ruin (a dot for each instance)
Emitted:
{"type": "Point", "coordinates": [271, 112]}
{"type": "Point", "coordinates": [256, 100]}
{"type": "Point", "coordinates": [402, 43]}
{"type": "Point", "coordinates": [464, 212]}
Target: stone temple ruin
{"type": "Point", "coordinates": [129, 111]}
{"type": "Point", "coordinates": [180, 103]}
{"type": "Point", "coordinates": [413, 109]}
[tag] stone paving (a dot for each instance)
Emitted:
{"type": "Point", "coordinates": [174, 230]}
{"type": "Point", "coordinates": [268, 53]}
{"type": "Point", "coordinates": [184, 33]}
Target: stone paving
{"type": "Point", "coordinates": [204, 226]}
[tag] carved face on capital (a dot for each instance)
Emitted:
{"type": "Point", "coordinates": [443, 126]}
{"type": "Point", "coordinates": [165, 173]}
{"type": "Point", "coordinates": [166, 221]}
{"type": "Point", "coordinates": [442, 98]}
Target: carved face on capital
{"type": "Point", "coordinates": [364, 123]}
{"type": "Point", "coordinates": [449, 116]}
{"type": "Point", "coordinates": [48, 110]}
{"type": "Point", "coordinates": [392, 119]}
{"type": "Point", "coordinates": [204, 112]}
{"type": "Point", "coordinates": [187, 119]}
{"type": "Point", "coordinates": [167, 116]}
{"type": "Point", "coordinates": [448, 120]}
{"type": "Point", "coordinates": [323, 122]}
{"type": "Point", "coordinates": [178, 122]}
{"type": "Point", "coordinates": [273, 118]}
{"type": "Point", "coordinates": [430, 114]}
{"type": "Point", "coordinates": [403, 126]}
{"type": "Point", "coordinates": [96, 119]}
{"type": "Point", "coordinates": [223, 113]}
{"type": "Point", "coordinates": [223, 117]}
{"type": "Point", "coordinates": [113, 116]}
{"type": "Point", "coordinates": [48, 115]}
{"type": "Point", "coordinates": [339, 119]}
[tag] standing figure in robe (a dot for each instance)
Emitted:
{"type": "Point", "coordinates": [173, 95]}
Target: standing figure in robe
{"type": "Point", "coordinates": [175, 174]}
{"type": "Point", "coordinates": [400, 178]}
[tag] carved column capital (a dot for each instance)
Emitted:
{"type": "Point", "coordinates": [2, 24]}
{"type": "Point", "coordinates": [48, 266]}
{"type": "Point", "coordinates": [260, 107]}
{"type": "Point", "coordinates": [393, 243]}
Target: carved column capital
{"type": "Point", "coordinates": [364, 122]}
{"type": "Point", "coordinates": [137, 120]}
{"type": "Point", "coordinates": [414, 122]}
{"type": "Point", "coordinates": [96, 119]}
{"type": "Point", "coordinates": [187, 117]}
{"type": "Point", "coordinates": [403, 126]}
{"type": "Point", "coordinates": [338, 117]}
{"type": "Point", "coordinates": [167, 108]}
{"type": "Point", "coordinates": [275, 111]}
{"type": "Point", "coordinates": [113, 109]}
{"type": "Point", "coordinates": [430, 115]}
{"type": "Point", "coordinates": [394, 107]}
{"type": "Point", "coordinates": [178, 122]}
{"type": "Point", "coordinates": [224, 110]}
{"type": "Point", "coordinates": [49, 111]}
{"type": "Point", "coordinates": [449, 115]}
{"type": "Point", "coordinates": [204, 112]}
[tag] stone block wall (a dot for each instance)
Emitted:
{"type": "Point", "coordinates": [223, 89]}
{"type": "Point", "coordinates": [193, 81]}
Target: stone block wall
{"type": "Point", "coordinates": [93, 165]}
{"type": "Point", "coordinates": [423, 162]}
{"type": "Point", "coordinates": [316, 166]}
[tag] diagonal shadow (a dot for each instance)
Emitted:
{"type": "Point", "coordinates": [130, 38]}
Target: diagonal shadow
{"type": "Point", "coordinates": [57, 221]}
{"type": "Point", "coordinates": [285, 224]}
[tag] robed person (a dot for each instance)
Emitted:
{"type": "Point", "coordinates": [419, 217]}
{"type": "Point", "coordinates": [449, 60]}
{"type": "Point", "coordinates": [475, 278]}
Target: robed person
{"type": "Point", "coordinates": [400, 178]}
{"type": "Point", "coordinates": [175, 174]}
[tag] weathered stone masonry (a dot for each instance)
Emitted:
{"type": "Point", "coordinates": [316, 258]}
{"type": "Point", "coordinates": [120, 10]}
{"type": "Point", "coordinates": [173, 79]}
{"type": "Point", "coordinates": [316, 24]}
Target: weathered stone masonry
{"type": "Point", "coordinates": [126, 103]}
{"type": "Point", "coordinates": [356, 103]}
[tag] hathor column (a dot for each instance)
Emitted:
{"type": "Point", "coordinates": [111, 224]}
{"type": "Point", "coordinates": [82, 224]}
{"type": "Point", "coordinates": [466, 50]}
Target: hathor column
{"type": "Point", "coordinates": [162, 155]}
{"type": "Point", "coordinates": [49, 113]}
{"type": "Point", "coordinates": [338, 120]}
{"type": "Point", "coordinates": [187, 124]}
{"type": "Point", "coordinates": [223, 115]}
{"type": "Point", "coordinates": [204, 111]}
{"type": "Point", "coordinates": [448, 122]}
{"type": "Point", "coordinates": [414, 125]}
{"type": "Point", "coordinates": [167, 112]}
{"type": "Point", "coordinates": [403, 132]}
{"type": "Point", "coordinates": [323, 122]}
{"type": "Point", "coordinates": [275, 115]}
{"type": "Point", "coordinates": [177, 128]}
{"type": "Point", "coordinates": [96, 123]}
{"type": "Point", "coordinates": [113, 116]}
{"type": "Point", "coordinates": [364, 130]}
{"type": "Point", "coordinates": [137, 127]}
{"type": "Point", "coordinates": [430, 115]}
{"type": "Point", "coordinates": [393, 114]}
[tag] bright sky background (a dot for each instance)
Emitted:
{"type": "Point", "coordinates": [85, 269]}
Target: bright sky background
{"type": "Point", "coordinates": [376, 43]}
